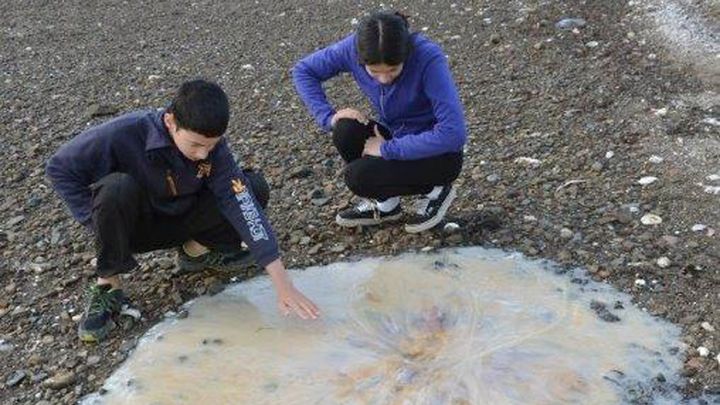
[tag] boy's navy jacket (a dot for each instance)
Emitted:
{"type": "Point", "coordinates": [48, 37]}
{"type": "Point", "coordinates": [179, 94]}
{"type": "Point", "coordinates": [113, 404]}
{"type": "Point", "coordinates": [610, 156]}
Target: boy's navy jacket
{"type": "Point", "coordinates": [140, 145]}
{"type": "Point", "coordinates": [421, 107]}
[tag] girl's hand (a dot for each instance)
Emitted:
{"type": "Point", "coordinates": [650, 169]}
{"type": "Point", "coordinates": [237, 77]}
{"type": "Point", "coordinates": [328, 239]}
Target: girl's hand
{"type": "Point", "coordinates": [373, 144]}
{"type": "Point", "coordinates": [350, 113]}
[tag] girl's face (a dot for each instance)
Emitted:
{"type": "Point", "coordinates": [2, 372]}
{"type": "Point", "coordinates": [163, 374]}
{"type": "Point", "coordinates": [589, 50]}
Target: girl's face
{"type": "Point", "coordinates": [385, 74]}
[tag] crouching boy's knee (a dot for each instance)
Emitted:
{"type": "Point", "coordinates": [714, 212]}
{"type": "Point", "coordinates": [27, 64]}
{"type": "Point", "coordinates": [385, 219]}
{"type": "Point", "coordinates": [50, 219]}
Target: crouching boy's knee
{"type": "Point", "coordinates": [259, 186]}
{"type": "Point", "coordinates": [115, 188]}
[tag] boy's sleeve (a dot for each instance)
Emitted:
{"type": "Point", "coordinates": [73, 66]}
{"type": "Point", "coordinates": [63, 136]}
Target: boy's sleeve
{"type": "Point", "coordinates": [449, 133]}
{"type": "Point", "coordinates": [312, 70]}
{"type": "Point", "coordinates": [75, 166]}
{"type": "Point", "coordinates": [239, 206]}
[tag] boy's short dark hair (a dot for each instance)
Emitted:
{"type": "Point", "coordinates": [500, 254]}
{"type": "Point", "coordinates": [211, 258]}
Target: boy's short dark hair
{"type": "Point", "coordinates": [201, 106]}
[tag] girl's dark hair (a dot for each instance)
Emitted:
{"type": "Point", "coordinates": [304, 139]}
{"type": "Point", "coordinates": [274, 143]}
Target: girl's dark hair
{"type": "Point", "coordinates": [201, 106]}
{"type": "Point", "coordinates": [383, 37]}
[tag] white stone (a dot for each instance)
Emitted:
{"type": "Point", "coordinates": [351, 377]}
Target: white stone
{"type": "Point", "coordinates": [661, 112]}
{"type": "Point", "coordinates": [707, 326]}
{"type": "Point", "coordinates": [699, 227]}
{"type": "Point", "coordinates": [640, 283]}
{"type": "Point", "coordinates": [247, 67]}
{"type": "Point", "coordinates": [609, 154]}
{"type": "Point", "coordinates": [426, 249]}
{"type": "Point", "coordinates": [651, 219]}
{"type": "Point", "coordinates": [703, 351]}
{"type": "Point", "coordinates": [566, 233]}
{"type": "Point", "coordinates": [451, 227]}
{"type": "Point", "coordinates": [131, 312]}
{"type": "Point", "coordinates": [154, 77]}
{"type": "Point", "coordinates": [528, 161]}
{"type": "Point", "coordinates": [354, 21]}
{"type": "Point", "coordinates": [647, 180]}
{"type": "Point", "coordinates": [37, 267]}
{"type": "Point", "coordinates": [663, 262]}
{"type": "Point", "coordinates": [655, 159]}
{"type": "Point", "coordinates": [592, 44]}
{"type": "Point", "coordinates": [529, 218]}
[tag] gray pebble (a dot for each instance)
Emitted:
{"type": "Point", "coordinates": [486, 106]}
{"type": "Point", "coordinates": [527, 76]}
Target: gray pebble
{"type": "Point", "coordinates": [15, 378]}
{"type": "Point", "coordinates": [570, 23]}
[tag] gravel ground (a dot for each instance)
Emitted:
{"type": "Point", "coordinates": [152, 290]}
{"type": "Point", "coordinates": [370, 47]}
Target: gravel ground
{"type": "Point", "coordinates": [563, 125]}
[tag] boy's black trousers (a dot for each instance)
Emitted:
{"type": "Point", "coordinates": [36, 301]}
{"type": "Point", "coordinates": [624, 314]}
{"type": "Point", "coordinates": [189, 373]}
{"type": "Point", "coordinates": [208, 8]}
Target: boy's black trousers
{"type": "Point", "coordinates": [124, 222]}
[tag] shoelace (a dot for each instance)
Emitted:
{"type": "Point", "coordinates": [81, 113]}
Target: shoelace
{"type": "Point", "coordinates": [421, 206]}
{"type": "Point", "coordinates": [217, 258]}
{"type": "Point", "coordinates": [102, 300]}
{"type": "Point", "coordinates": [367, 204]}
{"type": "Point", "coordinates": [214, 258]}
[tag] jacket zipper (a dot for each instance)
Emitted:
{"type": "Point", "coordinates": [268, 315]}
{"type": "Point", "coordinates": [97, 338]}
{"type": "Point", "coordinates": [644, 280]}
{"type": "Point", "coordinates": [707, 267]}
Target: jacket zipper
{"type": "Point", "coordinates": [171, 183]}
{"type": "Point", "coordinates": [382, 102]}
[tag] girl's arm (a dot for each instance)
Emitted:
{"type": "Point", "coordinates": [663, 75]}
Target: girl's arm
{"type": "Point", "coordinates": [449, 133]}
{"type": "Point", "coordinates": [312, 70]}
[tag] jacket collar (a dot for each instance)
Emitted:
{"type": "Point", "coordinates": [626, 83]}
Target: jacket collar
{"type": "Point", "coordinates": [159, 137]}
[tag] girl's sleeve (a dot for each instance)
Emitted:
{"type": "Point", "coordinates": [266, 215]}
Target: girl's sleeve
{"type": "Point", "coordinates": [312, 70]}
{"type": "Point", "coordinates": [449, 133]}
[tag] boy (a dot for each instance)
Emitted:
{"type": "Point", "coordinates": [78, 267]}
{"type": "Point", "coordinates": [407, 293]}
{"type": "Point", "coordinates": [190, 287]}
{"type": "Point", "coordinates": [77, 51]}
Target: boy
{"type": "Point", "coordinates": [151, 180]}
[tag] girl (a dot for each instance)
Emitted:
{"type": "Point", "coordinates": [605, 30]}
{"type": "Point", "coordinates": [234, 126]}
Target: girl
{"type": "Point", "coordinates": [415, 147]}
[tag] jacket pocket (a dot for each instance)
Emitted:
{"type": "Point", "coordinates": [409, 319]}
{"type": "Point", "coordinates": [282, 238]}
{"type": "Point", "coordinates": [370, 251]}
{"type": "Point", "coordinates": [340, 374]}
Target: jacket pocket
{"type": "Point", "coordinates": [170, 182]}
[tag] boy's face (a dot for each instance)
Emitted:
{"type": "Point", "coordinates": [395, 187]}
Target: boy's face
{"type": "Point", "coordinates": [192, 145]}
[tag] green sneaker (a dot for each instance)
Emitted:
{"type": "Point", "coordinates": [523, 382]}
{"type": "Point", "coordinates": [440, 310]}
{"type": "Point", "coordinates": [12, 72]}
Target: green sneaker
{"type": "Point", "coordinates": [103, 306]}
{"type": "Point", "coordinates": [230, 262]}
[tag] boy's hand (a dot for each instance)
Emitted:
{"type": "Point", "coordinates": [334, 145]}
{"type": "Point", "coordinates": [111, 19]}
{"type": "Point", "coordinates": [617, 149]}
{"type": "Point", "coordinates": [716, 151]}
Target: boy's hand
{"type": "Point", "coordinates": [350, 113]}
{"type": "Point", "coordinates": [373, 144]}
{"type": "Point", "coordinates": [292, 300]}
{"type": "Point", "coordinates": [288, 297]}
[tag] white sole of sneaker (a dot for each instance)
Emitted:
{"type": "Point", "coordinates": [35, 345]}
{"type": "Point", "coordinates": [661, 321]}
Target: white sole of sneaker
{"type": "Point", "coordinates": [415, 228]}
{"type": "Point", "coordinates": [365, 221]}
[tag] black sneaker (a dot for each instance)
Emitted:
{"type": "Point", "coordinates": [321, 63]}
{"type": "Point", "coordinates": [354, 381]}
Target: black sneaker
{"type": "Point", "coordinates": [103, 307]}
{"type": "Point", "coordinates": [229, 262]}
{"type": "Point", "coordinates": [431, 211]}
{"type": "Point", "coordinates": [366, 213]}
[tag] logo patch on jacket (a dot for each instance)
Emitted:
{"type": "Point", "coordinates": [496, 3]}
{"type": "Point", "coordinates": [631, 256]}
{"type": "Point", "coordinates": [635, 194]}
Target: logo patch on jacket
{"type": "Point", "coordinates": [237, 186]}
{"type": "Point", "coordinates": [204, 169]}
{"type": "Point", "coordinates": [249, 210]}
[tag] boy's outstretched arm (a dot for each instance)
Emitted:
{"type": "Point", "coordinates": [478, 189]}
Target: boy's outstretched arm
{"type": "Point", "coordinates": [289, 299]}
{"type": "Point", "coordinates": [239, 206]}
